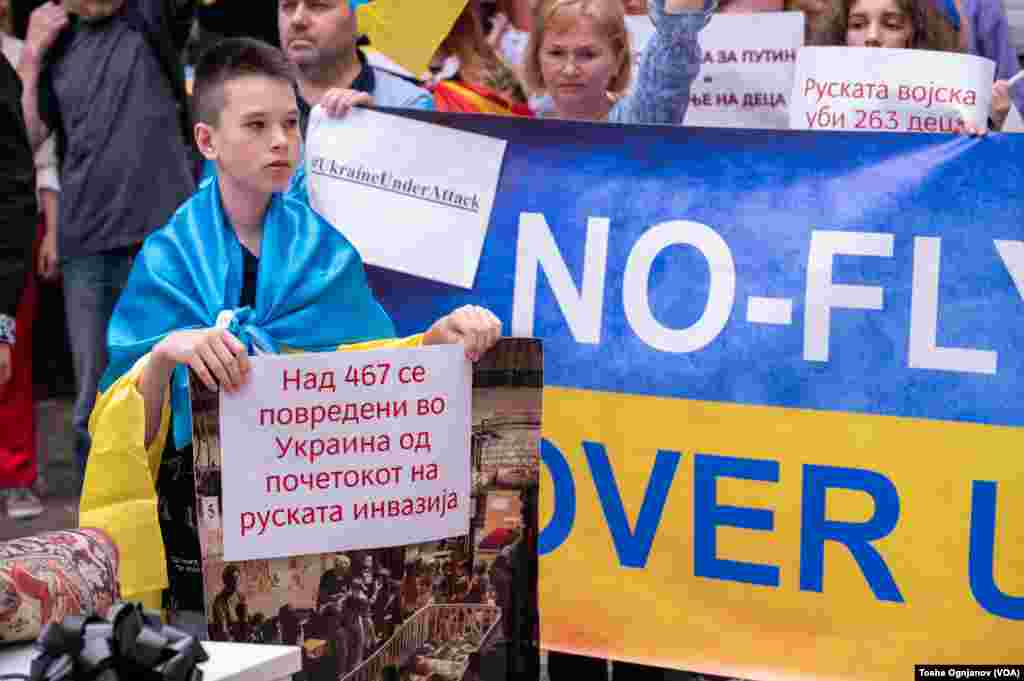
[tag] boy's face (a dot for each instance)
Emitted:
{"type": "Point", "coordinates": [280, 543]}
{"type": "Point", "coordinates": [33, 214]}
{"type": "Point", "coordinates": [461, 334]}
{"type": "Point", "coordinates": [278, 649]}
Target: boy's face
{"type": "Point", "coordinates": [256, 141]}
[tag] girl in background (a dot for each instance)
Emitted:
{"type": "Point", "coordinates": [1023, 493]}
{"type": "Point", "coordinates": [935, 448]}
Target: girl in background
{"type": "Point", "coordinates": [483, 83]}
{"type": "Point", "coordinates": [912, 24]}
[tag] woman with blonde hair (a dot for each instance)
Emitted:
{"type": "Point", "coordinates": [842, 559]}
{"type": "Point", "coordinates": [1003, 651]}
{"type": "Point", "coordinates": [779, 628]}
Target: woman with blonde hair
{"type": "Point", "coordinates": [579, 56]}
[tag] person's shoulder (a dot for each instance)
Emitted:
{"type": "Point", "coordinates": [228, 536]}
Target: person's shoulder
{"type": "Point", "coordinates": [396, 91]}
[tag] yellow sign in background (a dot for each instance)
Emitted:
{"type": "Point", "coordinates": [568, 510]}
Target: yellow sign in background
{"type": "Point", "coordinates": [663, 614]}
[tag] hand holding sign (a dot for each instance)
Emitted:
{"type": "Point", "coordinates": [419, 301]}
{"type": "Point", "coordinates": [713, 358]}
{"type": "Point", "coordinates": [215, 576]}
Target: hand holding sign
{"type": "Point", "coordinates": [1000, 103]}
{"type": "Point", "coordinates": [337, 102]}
{"type": "Point", "coordinates": [215, 355]}
{"type": "Point", "coordinates": [853, 88]}
{"type": "Point", "coordinates": [476, 327]}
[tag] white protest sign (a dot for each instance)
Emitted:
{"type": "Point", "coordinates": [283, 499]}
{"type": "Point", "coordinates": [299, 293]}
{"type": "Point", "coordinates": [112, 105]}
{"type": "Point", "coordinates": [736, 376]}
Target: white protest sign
{"type": "Point", "coordinates": [747, 71]}
{"type": "Point", "coordinates": [410, 196]}
{"type": "Point", "coordinates": [856, 88]}
{"type": "Point", "coordinates": [1014, 122]}
{"type": "Point", "coordinates": [381, 460]}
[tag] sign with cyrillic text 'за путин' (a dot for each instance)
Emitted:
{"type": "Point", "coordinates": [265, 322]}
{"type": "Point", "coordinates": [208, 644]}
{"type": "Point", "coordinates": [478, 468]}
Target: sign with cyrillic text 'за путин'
{"type": "Point", "coordinates": [746, 72]}
{"type": "Point", "coordinates": [339, 451]}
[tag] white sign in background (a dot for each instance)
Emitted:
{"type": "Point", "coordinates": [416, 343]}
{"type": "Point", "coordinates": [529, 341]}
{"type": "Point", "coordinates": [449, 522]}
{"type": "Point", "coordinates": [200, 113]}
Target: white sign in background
{"type": "Point", "coordinates": [747, 72]}
{"type": "Point", "coordinates": [855, 88]}
{"type": "Point", "coordinates": [1014, 122]}
{"type": "Point", "coordinates": [410, 196]}
{"type": "Point", "coordinates": [284, 478]}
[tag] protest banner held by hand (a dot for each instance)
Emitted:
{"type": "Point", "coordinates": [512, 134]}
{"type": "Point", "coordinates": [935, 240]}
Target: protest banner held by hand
{"type": "Point", "coordinates": [850, 88]}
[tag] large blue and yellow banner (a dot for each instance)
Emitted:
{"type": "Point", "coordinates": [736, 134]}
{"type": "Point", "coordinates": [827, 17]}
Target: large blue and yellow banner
{"type": "Point", "coordinates": [783, 415]}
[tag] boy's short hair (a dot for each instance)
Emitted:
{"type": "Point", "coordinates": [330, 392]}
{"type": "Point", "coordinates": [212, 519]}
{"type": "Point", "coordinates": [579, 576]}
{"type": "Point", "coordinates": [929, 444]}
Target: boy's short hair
{"type": "Point", "coordinates": [227, 60]}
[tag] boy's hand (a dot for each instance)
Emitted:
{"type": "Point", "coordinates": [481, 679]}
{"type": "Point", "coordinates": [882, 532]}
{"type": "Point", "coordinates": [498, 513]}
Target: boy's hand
{"type": "Point", "coordinates": [217, 357]}
{"type": "Point", "coordinates": [44, 25]}
{"type": "Point", "coordinates": [337, 102]}
{"type": "Point", "coordinates": [475, 327]}
{"type": "Point", "coordinates": [6, 364]}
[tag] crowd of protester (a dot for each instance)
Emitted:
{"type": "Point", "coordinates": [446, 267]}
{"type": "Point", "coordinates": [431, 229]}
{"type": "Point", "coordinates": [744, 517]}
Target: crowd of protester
{"type": "Point", "coordinates": [98, 151]}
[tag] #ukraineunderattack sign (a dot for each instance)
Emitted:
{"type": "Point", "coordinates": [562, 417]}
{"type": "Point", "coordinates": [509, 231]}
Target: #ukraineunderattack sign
{"type": "Point", "coordinates": [853, 88]}
{"type": "Point", "coordinates": [419, 209]}
{"type": "Point", "coordinates": [782, 414]}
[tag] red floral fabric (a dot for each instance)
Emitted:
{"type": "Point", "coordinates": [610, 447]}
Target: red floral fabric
{"type": "Point", "coordinates": [46, 577]}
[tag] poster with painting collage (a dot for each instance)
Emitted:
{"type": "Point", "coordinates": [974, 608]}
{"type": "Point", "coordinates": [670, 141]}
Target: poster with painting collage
{"type": "Point", "coordinates": [460, 609]}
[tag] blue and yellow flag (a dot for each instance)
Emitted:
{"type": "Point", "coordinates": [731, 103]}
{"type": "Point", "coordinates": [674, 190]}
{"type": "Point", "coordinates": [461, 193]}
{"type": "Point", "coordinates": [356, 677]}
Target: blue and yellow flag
{"type": "Point", "coordinates": [311, 289]}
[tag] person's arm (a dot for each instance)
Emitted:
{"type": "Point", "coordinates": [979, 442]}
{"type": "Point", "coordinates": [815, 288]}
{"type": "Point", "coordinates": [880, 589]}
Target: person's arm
{"type": "Point", "coordinates": [337, 102]}
{"type": "Point", "coordinates": [1000, 104]}
{"type": "Point", "coordinates": [499, 25]}
{"type": "Point", "coordinates": [668, 66]}
{"type": "Point", "coordinates": [47, 265]}
{"type": "Point", "coordinates": [152, 386]}
{"type": "Point", "coordinates": [45, 25]}
{"type": "Point", "coordinates": [48, 193]}
{"type": "Point", "coordinates": [215, 355]}
{"type": "Point", "coordinates": [992, 32]}
{"type": "Point", "coordinates": [475, 327]}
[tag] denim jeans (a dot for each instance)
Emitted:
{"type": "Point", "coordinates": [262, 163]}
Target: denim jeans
{"type": "Point", "coordinates": [92, 285]}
